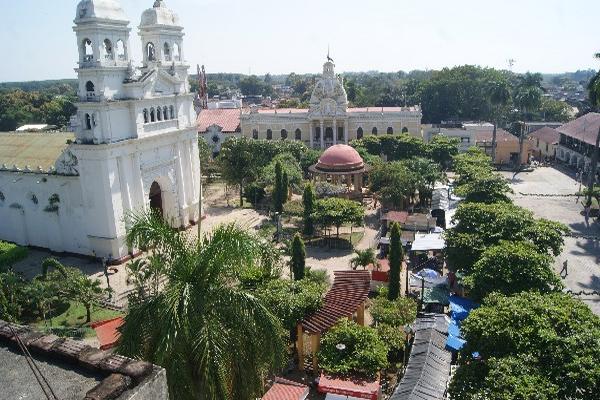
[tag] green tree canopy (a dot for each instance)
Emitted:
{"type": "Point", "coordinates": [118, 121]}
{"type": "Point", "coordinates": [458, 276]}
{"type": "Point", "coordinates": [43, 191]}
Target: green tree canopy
{"type": "Point", "coordinates": [364, 352]}
{"type": "Point", "coordinates": [298, 257]}
{"type": "Point", "coordinates": [393, 182]}
{"type": "Point", "coordinates": [530, 339]}
{"type": "Point", "coordinates": [442, 149]}
{"type": "Point", "coordinates": [309, 199]}
{"type": "Point", "coordinates": [479, 226]}
{"type": "Point", "coordinates": [396, 257]}
{"type": "Point", "coordinates": [334, 211]}
{"type": "Point", "coordinates": [215, 340]}
{"type": "Point", "coordinates": [512, 267]}
{"type": "Point", "coordinates": [492, 188]}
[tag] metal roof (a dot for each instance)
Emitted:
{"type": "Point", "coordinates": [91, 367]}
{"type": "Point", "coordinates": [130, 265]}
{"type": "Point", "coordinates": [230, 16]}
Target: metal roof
{"type": "Point", "coordinates": [33, 149]}
{"type": "Point", "coordinates": [428, 369]}
{"type": "Point", "coordinates": [349, 290]}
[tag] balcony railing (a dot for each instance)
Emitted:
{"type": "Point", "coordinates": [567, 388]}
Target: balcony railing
{"type": "Point", "coordinates": [160, 125]}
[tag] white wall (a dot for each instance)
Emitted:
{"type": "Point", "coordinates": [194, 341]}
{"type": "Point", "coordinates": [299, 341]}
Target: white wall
{"type": "Point", "coordinates": [30, 224]}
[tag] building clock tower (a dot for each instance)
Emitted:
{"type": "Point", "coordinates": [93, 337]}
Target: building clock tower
{"type": "Point", "coordinates": [136, 140]}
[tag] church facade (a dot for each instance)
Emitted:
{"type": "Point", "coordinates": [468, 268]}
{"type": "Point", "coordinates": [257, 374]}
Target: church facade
{"type": "Point", "coordinates": [329, 120]}
{"type": "Point", "coordinates": [135, 144]}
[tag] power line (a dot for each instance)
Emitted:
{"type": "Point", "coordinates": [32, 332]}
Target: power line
{"type": "Point", "coordinates": [39, 376]}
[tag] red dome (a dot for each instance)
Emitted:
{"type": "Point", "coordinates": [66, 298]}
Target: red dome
{"type": "Point", "coordinates": [340, 157]}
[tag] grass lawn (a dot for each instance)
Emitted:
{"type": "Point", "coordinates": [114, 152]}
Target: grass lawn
{"type": "Point", "coordinates": [72, 316]}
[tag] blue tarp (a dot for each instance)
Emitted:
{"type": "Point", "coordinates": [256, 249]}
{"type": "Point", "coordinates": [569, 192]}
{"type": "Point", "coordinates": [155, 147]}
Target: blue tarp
{"type": "Point", "coordinates": [454, 343]}
{"type": "Point", "coordinates": [454, 329]}
{"type": "Point", "coordinates": [460, 307]}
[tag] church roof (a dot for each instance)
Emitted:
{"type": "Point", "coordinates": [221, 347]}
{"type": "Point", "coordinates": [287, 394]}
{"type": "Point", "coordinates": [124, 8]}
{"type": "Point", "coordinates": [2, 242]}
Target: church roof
{"type": "Point", "coordinates": [32, 149]}
{"type": "Point", "coordinates": [227, 118]}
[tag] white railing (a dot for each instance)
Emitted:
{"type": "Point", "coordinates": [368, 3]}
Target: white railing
{"type": "Point", "coordinates": [160, 125]}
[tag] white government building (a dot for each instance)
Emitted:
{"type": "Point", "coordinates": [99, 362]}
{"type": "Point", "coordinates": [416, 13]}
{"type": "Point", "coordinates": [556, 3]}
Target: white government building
{"type": "Point", "coordinates": [329, 120]}
{"type": "Point", "coordinates": [134, 148]}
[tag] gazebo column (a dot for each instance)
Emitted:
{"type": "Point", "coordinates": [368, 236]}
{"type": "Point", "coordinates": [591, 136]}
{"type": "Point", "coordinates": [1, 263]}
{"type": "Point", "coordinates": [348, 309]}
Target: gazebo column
{"type": "Point", "coordinates": [300, 347]}
{"type": "Point", "coordinates": [346, 131]}
{"type": "Point", "coordinates": [310, 134]}
{"type": "Point", "coordinates": [316, 341]}
{"type": "Point", "coordinates": [358, 183]}
{"type": "Point", "coordinates": [349, 181]}
{"type": "Point", "coordinates": [360, 315]}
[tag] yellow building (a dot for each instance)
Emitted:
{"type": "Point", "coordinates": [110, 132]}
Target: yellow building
{"type": "Point", "coordinates": [507, 146]}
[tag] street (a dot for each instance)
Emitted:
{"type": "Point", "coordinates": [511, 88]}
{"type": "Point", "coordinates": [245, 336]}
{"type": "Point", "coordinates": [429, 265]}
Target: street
{"type": "Point", "coordinates": [581, 254]}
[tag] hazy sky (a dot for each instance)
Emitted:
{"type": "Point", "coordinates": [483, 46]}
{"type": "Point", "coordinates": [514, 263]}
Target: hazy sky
{"type": "Point", "coordinates": [282, 36]}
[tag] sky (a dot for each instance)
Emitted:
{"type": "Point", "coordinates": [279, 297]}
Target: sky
{"type": "Point", "coordinates": [282, 36]}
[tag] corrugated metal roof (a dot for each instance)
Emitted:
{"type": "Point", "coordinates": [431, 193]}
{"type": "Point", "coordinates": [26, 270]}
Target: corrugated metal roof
{"type": "Point", "coordinates": [349, 290]}
{"type": "Point", "coordinates": [428, 369]}
{"type": "Point", "coordinates": [33, 149]}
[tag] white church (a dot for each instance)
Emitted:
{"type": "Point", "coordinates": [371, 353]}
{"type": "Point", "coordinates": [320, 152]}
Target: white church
{"type": "Point", "coordinates": [134, 147]}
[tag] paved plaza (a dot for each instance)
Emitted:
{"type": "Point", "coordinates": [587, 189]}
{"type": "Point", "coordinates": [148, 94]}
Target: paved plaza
{"type": "Point", "coordinates": [581, 254]}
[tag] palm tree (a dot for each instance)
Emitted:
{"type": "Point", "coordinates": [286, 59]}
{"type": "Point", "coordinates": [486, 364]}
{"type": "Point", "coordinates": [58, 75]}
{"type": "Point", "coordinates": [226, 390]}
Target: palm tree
{"type": "Point", "coordinates": [499, 95]}
{"type": "Point", "coordinates": [364, 258]}
{"type": "Point", "coordinates": [215, 340]}
{"type": "Point", "coordinates": [594, 94]}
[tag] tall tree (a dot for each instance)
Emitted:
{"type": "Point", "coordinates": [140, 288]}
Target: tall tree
{"type": "Point", "coordinates": [396, 256]}
{"type": "Point", "coordinates": [499, 96]}
{"type": "Point", "coordinates": [298, 257]}
{"type": "Point", "coordinates": [285, 187]}
{"type": "Point", "coordinates": [308, 200]}
{"type": "Point", "coordinates": [215, 340]}
{"type": "Point", "coordinates": [278, 188]}
{"type": "Point", "coordinates": [594, 94]}
{"type": "Point", "coordinates": [237, 162]}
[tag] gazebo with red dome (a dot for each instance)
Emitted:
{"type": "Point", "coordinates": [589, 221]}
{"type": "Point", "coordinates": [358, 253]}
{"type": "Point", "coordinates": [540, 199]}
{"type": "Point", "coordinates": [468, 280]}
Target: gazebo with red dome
{"type": "Point", "coordinates": [342, 163]}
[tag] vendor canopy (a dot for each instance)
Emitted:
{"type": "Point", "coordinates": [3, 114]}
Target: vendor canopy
{"type": "Point", "coordinates": [351, 386]}
{"type": "Point", "coordinates": [428, 241]}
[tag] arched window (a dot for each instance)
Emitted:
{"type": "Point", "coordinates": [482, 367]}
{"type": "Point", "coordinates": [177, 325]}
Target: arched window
{"type": "Point", "coordinates": [269, 134]}
{"type": "Point", "coordinates": [254, 133]}
{"type": "Point", "coordinates": [108, 50]}
{"type": "Point", "coordinates": [390, 130]}
{"type": "Point", "coordinates": [298, 134]}
{"type": "Point", "coordinates": [359, 133]}
{"type": "Point", "coordinates": [87, 50]}
{"type": "Point", "coordinates": [89, 87]}
{"type": "Point", "coordinates": [374, 130]}
{"type": "Point", "coordinates": [88, 122]}
{"type": "Point", "coordinates": [152, 117]}
{"type": "Point", "coordinates": [405, 130]}
{"type": "Point", "coordinates": [283, 134]}
{"type": "Point", "coordinates": [172, 109]}
{"type": "Point", "coordinates": [165, 113]}
{"type": "Point", "coordinates": [158, 114]}
{"type": "Point", "coordinates": [121, 50]}
{"type": "Point", "coordinates": [145, 112]}
{"type": "Point", "coordinates": [176, 55]}
{"type": "Point", "coordinates": [150, 52]}
{"type": "Point", "coordinates": [167, 51]}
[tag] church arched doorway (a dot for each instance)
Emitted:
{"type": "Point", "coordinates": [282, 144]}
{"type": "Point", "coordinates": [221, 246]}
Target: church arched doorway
{"type": "Point", "coordinates": [156, 201]}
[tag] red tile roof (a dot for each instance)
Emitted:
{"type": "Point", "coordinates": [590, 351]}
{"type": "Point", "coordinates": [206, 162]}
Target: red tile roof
{"type": "Point", "coordinates": [349, 290]}
{"type": "Point", "coordinates": [546, 135]}
{"type": "Point", "coordinates": [227, 119]}
{"type": "Point", "coordinates": [107, 332]}
{"type": "Point", "coordinates": [353, 387]}
{"type": "Point", "coordinates": [283, 389]}
{"type": "Point", "coordinates": [396, 216]}
{"type": "Point", "coordinates": [501, 136]}
{"type": "Point", "coordinates": [584, 128]}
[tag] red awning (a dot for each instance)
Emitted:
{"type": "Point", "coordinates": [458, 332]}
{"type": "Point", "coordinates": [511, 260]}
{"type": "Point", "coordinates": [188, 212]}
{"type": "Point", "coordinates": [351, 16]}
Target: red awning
{"type": "Point", "coordinates": [107, 332]}
{"type": "Point", "coordinates": [353, 387]}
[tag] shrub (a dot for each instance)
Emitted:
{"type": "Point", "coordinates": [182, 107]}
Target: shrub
{"type": "Point", "coordinates": [394, 338]}
{"type": "Point", "coordinates": [254, 193]}
{"type": "Point", "coordinates": [293, 208]}
{"type": "Point", "coordinates": [10, 254]}
{"type": "Point", "coordinates": [364, 352]}
{"type": "Point", "coordinates": [395, 313]}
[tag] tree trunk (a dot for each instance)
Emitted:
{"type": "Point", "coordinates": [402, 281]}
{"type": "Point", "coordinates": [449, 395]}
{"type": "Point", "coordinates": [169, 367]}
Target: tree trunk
{"type": "Point", "coordinates": [88, 313]}
{"type": "Point", "coordinates": [594, 167]}
{"type": "Point", "coordinates": [494, 142]}
{"type": "Point", "coordinates": [241, 193]}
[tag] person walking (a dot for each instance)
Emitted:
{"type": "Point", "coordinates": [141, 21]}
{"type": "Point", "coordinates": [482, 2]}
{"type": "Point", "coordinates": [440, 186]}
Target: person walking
{"type": "Point", "coordinates": [586, 213]}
